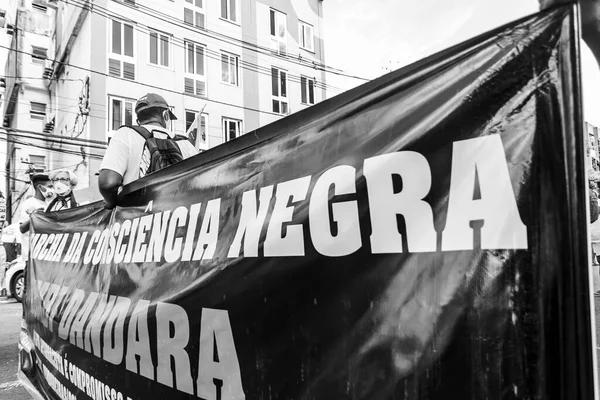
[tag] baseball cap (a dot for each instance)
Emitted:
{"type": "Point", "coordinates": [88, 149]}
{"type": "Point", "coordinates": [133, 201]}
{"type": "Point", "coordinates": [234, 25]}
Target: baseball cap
{"type": "Point", "coordinates": [152, 100]}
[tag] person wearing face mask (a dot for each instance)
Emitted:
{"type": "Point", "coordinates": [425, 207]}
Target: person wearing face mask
{"type": "Point", "coordinates": [38, 202]}
{"type": "Point", "coordinates": [63, 182]}
{"type": "Point", "coordinates": [127, 157]}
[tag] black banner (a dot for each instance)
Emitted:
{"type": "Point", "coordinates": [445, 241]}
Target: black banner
{"type": "Point", "coordinates": [419, 237]}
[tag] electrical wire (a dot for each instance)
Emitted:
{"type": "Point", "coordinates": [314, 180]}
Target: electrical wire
{"type": "Point", "coordinates": [208, 33]}
{"type": "Point", "coordinates": [78, 141]}
{"type": "Point", "coordinates": [215, 55]}
{"type": "Point", "coordinates": [39, 77]}
{"type": "Point", "coordinates": [152, 86]}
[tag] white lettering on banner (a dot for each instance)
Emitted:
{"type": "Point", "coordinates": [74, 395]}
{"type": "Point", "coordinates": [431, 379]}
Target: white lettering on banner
{"type": "Point", "coordinates": [125, 334]}
{"type": "Point", "coordinates": [385, 204]}
{"type": "Point", "coordinates": [63, 370]}
{"type": "Point", "coordinates": [291, 243]}
{"type": "Point", "coordinates": [138, 342]}
{"type": "Point", "coordinates": [139, 250]}
{"type": "Point", "coordinates": [172, 347]}
{"type": "Point", "coordinates": [216, 337]}
{"type": "Point", "coordinates": [114, 331]}
{"type": "Point", "coordinates": [344, 215]}
{"type": "Point", "coordinates": [157, 237]}
{"type": "Point", "coordinates": [251, 222]}
{"type": "Point", "coordinates": [207, 240]}
{"type": "Point", "coordinates": [189, 237]}
{"type": "Point", "coordinates": [328, 216]}
{"type": "Point", "coordinates": [497, 207]}
{"type": "Point", "coordinates": [173, 244]}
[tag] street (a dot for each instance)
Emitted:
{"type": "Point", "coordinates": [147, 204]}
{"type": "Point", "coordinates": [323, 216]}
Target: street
{"type": "Point", "coordinates": [10, 326]}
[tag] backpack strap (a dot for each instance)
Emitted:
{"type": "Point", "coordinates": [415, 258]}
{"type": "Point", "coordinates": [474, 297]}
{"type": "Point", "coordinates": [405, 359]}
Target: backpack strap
{"type": "Point", "coordinates": [139, 129]}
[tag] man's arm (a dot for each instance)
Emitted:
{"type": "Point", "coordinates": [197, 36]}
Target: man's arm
{"type": "Point", "coordinates": [113, 166]}
{"type": "Point", "coordinates": [109, 182]}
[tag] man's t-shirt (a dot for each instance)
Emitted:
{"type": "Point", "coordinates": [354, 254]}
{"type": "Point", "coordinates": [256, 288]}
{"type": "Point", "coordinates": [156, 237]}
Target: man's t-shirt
{"type": "Point", "coordinates": [30, 205]}
{"type": "Point", "coordinates": [124, 152]}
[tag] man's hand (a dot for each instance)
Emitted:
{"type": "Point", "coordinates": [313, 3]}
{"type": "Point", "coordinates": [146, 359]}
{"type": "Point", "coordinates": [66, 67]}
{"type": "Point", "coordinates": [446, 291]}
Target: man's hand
{"type": "Point", "coordinates": [590, 21]}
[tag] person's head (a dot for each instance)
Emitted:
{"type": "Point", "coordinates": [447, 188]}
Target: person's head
{"type": "Point", "coordinates": [64, 181]}
{"type": "Point", "coordinates": [43, 186]}
{"type": "Point", "coordinates": [153, 108]}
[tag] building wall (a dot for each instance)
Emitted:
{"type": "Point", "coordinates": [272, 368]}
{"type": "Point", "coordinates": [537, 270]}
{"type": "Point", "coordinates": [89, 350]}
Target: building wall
{"type": "Point", "coordinates": [34, 28]}
{"type": "Point", "coordinates": [250, 101]}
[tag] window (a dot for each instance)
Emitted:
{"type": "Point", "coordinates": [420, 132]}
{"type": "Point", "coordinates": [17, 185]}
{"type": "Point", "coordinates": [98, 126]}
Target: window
{"type": "Point", "coordinates": [120, 112]}
{"type": "Point", "coordinates": [38, 162]}
{"type": "Point", "coordinates": [193, 13]}
{"type": "Point", "coordinates": [198, 134]}
{"type": "Point", "coordinates": [38, 54]}
{"type": "Point", "coordinates": [228, 10]}
{"type": "Point", "coordinates": [195, 76]}
{"type": "Point", "coordinates": [232, 128]}
{"type": "Point", "coordinates": [279, 90]}
{"type": "Point", "coordinates": [159, 49]}
{"type": "Point", "coordinates": [278, 32]}
{"type": "Point", "coordinates": [306, 36]}
{"type": "Point", "coordinates": [121, 62]}
{"type": "Point", "coordinates": [307, 88]}
{"type": "Point", "coordinates": [37, 111]}
{"type": "Point", "coordinates": [230, 69]}
{"type": "Point", "coordinates": [39, 5]}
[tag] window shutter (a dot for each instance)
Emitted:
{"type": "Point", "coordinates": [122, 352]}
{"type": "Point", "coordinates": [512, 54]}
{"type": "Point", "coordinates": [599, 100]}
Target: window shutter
{"type": "Point", "coordinates": [114, 67]}
{"type": "Point", "coordinates": [189, 86]}
{"type": "Point", "coordinates": [188, 16]}
{"type": "Point", "coordinates": [200, 20]}
{"type": "Point", "coordinates": [201, 88]}
{"type": "Point", "coordinates": [128, 71]}
{"type": "Point", "coordinates": [303, 89]}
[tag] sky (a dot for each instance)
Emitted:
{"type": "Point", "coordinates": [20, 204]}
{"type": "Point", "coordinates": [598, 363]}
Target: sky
{"type": "Point", "coordinates": [370, 38]}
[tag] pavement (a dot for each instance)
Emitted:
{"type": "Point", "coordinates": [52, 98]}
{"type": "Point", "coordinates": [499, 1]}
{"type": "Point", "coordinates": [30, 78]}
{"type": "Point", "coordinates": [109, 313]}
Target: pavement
{"type": "Point", "coordinates": [10, 327]}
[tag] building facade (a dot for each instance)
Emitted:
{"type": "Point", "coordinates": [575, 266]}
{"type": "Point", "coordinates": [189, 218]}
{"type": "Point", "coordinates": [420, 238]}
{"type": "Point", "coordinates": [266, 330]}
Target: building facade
{"type": "Point", "coordinates": [26, 99]}
{"type": "Point", "coordinates": [235, 64]}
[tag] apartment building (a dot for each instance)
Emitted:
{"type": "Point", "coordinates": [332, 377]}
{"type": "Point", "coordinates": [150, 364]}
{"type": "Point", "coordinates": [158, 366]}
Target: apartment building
{"type": "Point", "coordinates": [236, 64]}
{"type": "Point", "coordinates": [26, 98]}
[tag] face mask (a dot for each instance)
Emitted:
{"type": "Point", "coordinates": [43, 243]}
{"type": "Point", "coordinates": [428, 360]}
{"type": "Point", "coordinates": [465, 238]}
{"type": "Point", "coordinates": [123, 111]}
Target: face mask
{"type": "Point", "coordinates": [47, 192]}
{"type": "Point", "coordinates": [61, 189]}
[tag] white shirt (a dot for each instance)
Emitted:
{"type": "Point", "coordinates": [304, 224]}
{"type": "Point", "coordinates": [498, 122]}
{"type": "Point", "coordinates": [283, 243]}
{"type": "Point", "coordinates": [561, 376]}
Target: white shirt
{"type": "Point", "coordinates": [30, 205]}
{"type": "Point", "coordinates": [124, 152]}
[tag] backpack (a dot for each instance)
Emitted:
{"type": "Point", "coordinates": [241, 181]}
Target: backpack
{"type": "Point", "coordinates": [163, 152]}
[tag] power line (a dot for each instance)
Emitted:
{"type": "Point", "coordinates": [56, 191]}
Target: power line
{"type": "Point", "coordinates": [55, 150]}
{"type": "Point", "coordinates": [180, 43]}
{"type": "Point", "coordinates": [151, 86]}
{"type": "Point", "coordinates": [84, 141]}
{"type": "Point", "coordinates": [211, 34]}
{"type": "Point", "coordinates": [39, 77]}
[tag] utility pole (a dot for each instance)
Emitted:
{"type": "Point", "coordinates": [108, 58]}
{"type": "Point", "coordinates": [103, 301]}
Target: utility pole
{"type": "Point", "coordinates": [12, 95]}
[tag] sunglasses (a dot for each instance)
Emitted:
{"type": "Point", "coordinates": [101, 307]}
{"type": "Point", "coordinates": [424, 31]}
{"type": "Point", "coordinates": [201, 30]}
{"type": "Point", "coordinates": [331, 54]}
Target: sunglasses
{"type": "Point", "coordinates": [64, 180]}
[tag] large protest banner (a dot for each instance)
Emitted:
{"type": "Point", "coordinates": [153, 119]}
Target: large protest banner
{"type": "Point", "coordinates": [422, 236]}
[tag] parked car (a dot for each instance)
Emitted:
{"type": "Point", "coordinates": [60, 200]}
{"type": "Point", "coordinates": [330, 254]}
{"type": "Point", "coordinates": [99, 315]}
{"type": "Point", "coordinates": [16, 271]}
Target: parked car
{"type": "Point", "coordinates": [15, 278]}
